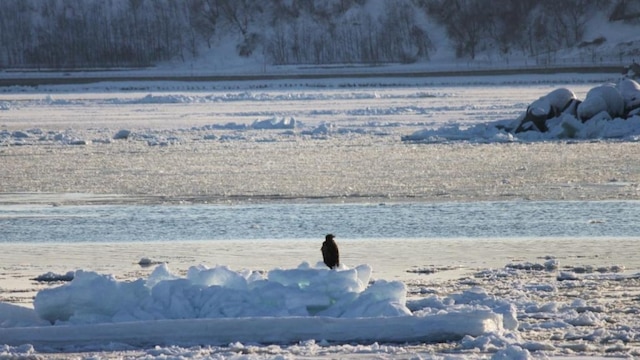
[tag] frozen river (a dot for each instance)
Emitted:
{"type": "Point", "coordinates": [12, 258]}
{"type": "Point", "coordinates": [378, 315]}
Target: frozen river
{"type": "Point", "coordinates": [545, 229]}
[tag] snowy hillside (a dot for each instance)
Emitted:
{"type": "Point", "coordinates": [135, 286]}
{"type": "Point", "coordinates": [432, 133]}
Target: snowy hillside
{"type": "Point", "coordinates": [222, 35]}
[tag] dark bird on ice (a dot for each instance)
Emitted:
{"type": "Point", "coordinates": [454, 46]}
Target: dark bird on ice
{"type": "Point", "coordinates": [330, 253]}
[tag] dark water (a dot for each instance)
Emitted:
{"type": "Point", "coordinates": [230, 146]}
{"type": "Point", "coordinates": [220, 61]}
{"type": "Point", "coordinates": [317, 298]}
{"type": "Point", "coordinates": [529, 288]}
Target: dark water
{"type": "Point", "coordinates": [71, 224]}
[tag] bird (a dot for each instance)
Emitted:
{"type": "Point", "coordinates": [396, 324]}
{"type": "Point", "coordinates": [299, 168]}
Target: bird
{"type": "Point", "coordinates": [330, 253]}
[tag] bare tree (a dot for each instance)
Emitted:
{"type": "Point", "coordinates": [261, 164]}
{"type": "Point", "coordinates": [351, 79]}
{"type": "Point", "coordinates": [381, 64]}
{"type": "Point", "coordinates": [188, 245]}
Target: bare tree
{"type": "Point", "coordinates": [466, 22]}
{"type": "Point", "coordinates": [204, 16]}
{"type": "Point", "coordinates": [239, 14]}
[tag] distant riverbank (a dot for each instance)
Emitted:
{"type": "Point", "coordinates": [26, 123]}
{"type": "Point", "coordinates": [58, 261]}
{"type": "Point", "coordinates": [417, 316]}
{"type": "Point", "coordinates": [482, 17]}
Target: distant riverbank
{"type": "Point", "coordinates": [88, 76]}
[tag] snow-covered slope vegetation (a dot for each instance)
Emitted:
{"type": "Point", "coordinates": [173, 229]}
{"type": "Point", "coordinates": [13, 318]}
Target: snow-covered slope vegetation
{"type": "Point", "coordinates": [94, 33]}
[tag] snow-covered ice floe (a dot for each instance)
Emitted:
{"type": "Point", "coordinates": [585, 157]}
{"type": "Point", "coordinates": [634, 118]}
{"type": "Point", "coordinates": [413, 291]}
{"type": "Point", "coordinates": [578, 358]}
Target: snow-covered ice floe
{"type": "Point", "coordinates": [219, 306]}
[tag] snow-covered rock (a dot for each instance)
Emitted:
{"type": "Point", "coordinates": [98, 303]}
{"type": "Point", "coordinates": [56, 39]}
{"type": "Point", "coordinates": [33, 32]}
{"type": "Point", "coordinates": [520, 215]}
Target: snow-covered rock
{"type": "Point", "coordinates": [553, 104]}
{"type": "Point", "coordinates": [605, 98]}
{"type": "Point", "coordinates": [630, 91]}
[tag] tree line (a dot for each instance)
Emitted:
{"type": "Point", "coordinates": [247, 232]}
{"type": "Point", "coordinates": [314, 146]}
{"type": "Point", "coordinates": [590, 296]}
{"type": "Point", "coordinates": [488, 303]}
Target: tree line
{"type": "Point", "coordinates": [528, 27]}
{"type": "Point", "coordinates": [134, 33]}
